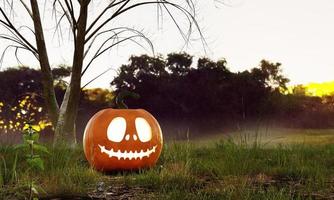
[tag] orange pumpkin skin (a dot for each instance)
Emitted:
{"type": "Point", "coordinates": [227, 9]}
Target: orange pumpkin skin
{"type": "Point", "coordinates": [130, 153]}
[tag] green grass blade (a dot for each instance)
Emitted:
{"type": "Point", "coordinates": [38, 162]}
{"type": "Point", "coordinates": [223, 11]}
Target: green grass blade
{"type": "Point", "coordinates": [14, 173]}
{"type": "Point", "coordinates": [1, 177]}
{"type": "Point", "coordinates": [4, 171]}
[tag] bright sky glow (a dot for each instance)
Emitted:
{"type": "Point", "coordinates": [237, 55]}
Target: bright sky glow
{"type": "Point", "coordinates": [298, 33]}
{"type": "Point", "coordinates": [318, 89]}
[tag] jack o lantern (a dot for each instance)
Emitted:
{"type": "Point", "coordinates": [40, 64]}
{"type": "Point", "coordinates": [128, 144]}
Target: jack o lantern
{"type": "Point", "coordinates": [122, 139]}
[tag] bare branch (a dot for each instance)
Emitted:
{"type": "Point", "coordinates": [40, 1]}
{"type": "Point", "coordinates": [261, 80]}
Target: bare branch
{"type": "Point", "coordinates": [101, 50]}
{"type": "Point", "coordinates": [16, 47]}
{"type": "Point", "coordinates": [107, 21]}
{"type": "Point", "coordinates": [12, 27]}
{"type": "Point", "coordinates": [177, 24]}
{"type": "Point", "coordinates": [27, 27]}
{"type": "Point", "coordinates": [58, 26]}
{"type": "Point", "coordinates": [14, 38]}
{"type": "Point", "coordinates": [27, 8]}
{"type": "Point", "coordinates": [68, 12]}
{"type": "Point", "coordinates": [113, 30]}
{"type": "Point", "coordinates": [16, 56]}
{"type": "Point", "coordinates": [111, 5]}
{"type": "Point", "coordinates": [98, 76]}
{"type": "Point", "coordinates": [190, 16]}
{"type": "Point", "coordinates": [69, 6]}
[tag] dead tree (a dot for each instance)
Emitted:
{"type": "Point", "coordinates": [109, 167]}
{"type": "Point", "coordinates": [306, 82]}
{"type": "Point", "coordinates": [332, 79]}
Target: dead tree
{"type": "Point", "coordinates": [84, 35]}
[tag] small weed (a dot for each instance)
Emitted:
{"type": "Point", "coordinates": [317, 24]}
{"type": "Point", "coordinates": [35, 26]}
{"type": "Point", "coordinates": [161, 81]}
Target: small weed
{"type": "Point", "coordinates": [34, 161]}
{"type": "Point", "coordinates": [185, 170]}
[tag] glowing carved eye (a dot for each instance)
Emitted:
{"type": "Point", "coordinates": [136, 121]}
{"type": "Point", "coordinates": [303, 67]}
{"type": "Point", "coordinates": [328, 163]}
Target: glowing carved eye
{"type": "Point", "coordinates": [143, 129]}
{"type": "Point", "coordinates": [116, 129]}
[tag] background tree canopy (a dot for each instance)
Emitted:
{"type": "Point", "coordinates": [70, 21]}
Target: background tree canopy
{"type": "Point", "coordinates": [208, 95]}
{"type": "Point", "coordinates": [180, 93]}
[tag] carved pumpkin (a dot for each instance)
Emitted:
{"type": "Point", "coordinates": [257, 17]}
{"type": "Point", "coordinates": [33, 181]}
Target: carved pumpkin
{"type": "Point", "coordinates": [122, 139]}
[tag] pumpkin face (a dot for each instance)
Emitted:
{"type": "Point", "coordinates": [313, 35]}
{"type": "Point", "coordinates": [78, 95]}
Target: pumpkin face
{"type": "Point", "coordinates": [122, 139]}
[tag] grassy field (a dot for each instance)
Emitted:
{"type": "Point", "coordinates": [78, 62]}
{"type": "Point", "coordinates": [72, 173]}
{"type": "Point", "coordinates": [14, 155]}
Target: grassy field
{"type": "Point", "coordinates": [271, 137]}
{"type": "Point", "coordinates": [238, 167]}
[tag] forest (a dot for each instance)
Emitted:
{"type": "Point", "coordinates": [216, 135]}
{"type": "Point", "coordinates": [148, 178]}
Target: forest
{"type": "Point", "coordinates": [183, 94]}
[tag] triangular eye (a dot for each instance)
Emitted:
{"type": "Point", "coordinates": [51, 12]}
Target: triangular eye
{"type": "Point", "coordinates": [144, 130]}
{"type": "Point", "coordinates": [116, 129]}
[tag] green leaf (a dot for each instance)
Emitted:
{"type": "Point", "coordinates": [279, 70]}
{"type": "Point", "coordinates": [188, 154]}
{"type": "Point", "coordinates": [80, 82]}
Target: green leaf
{"type": "Point", "coordinates": [36, 163]}
{"type": "Point", "coordinates": [40, 148]}
{"type": "Point", "coordinates": [34, 137]}
{"type": "Point", "coordinates": [30, 142]}
{"type": "Point", "coordinates": [24, 146]}
{"type": "Point", "coordinates": [26, 137]}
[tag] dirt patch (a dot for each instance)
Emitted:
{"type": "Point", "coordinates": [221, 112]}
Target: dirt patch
{"type": "Point", "coordinates": [121, 192]}
{"type": "Point", "coordinates": [116, 192]}
{"type": "Point", "coordinates": [296, 186]}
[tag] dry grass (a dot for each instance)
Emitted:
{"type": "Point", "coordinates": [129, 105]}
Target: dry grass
{"type": "Point", "coordinates": [240, 167]}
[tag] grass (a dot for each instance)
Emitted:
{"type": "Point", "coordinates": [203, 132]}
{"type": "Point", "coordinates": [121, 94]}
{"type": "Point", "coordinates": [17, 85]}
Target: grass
{"type": "Point", "coordinates": [274, 136]}
{"type": "Point", "coordinates": [225, 169]}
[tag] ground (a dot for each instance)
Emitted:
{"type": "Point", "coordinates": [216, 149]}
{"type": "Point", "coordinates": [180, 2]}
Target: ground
{"type": "Point", "coordinates": [252, 164]}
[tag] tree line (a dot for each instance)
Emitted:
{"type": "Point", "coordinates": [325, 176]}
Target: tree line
{"type": "Point", "coordinates": [207, 94]}
{"type": "Point", "coordinates": [199, 96]}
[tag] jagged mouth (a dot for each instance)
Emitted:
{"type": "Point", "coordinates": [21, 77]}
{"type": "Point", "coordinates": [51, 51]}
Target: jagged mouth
{"type": "Point", "coordinates": [128, 154]}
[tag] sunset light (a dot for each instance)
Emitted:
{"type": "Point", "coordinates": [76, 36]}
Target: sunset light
{"type": "Point", "coordinates": [167, 99]}
{"type": "Point", "coordinates": [315, 89]}
{"type": "Point", "coordinates": [320, 89]}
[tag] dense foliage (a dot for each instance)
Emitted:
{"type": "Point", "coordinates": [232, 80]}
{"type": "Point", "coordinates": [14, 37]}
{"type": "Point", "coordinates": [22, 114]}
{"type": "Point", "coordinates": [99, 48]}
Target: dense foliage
{"type": "Point", "coordinates": [208, 94]}
{"type": "Point", "coordinates": [21, 99]}
{"type": "Point", "coordinates": [180, 93]}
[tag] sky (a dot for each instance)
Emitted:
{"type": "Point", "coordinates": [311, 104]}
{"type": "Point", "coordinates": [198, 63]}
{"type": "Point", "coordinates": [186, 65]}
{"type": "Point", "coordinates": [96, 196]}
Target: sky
{"type": "Point", "coordinates": [297, 33]}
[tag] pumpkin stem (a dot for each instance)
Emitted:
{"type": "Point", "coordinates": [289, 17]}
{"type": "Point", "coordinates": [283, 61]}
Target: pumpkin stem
{"type": "Point", "coordinates": [124, 94]}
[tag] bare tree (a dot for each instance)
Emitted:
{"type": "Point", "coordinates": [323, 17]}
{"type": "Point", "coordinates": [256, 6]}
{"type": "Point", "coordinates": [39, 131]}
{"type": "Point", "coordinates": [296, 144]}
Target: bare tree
{"type": "Point", "coordinates": [85, 33]}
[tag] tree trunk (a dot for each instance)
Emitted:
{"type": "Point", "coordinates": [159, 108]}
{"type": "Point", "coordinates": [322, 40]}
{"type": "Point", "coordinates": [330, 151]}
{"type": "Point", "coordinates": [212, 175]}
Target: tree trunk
{"type": "Point", "coordinates": [65, 129]}
{"type": "Point", "coordinates": [47, 78]}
